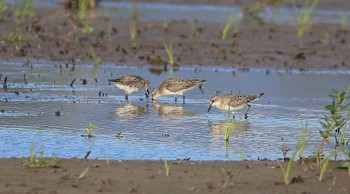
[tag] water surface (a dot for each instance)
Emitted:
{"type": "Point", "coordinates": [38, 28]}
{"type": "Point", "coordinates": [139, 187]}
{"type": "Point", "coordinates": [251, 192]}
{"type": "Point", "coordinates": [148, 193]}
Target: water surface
{"type": "Point", "coordinates": [142, 129]}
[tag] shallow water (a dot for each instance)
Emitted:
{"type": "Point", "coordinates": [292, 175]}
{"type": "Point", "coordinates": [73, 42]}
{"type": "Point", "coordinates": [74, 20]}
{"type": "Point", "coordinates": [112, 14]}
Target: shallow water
{"type": "Point", "coordinates": [160, 129]}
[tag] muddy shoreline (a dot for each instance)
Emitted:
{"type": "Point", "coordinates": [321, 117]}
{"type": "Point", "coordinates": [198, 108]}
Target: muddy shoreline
{"type": "Point", "coordinates": [103, 176]}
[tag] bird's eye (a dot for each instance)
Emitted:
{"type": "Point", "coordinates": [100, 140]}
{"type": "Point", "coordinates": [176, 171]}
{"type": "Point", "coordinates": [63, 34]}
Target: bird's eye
{"type": "Point", "coordinates": [212, 100]}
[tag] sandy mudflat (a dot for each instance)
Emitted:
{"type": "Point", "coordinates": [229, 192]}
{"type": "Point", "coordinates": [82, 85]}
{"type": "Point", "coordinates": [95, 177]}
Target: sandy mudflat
{"type": "Point", "coordinates": [150, 177]}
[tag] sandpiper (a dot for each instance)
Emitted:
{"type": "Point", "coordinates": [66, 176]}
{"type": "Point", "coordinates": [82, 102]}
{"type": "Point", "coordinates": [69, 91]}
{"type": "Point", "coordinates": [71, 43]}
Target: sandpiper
{"type": "Point", "coordinates": [130, 84]}
{"type": "Point", "coordinates": [176, 86]}
{"type": "Point", "coordinates": [233, 102]}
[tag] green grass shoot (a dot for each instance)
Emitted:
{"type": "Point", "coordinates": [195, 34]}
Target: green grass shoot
{"type": "Point", "coordinates": [83, 7]}
{"type": "Point", "coordinates": [227, 28]}
{"type": "Point", "coordinates": [323, 166]}
{"type": "Point", "coordinates": [165, 25]}
{"type": "Point", "coordinates": [95, 58]}
{"type": "Point", "coordinates": [133, 33]}
{"type": "Point", "coordinates": [88, 130]}
{"type": "Point", "coordinates": [169, 51]}
{"type": "Point", "coordinates": [167, 169]}
{"type": "Point", "coordinates": [230, 127]}
{"type": "Point", "coordinates": [303, 20]}
{"type": "Point", "coordinates": [286, 171]}
{"type": "Point", "coordinates": [37, 159]}
{"type": "Point", "coordinates": [303, 139]}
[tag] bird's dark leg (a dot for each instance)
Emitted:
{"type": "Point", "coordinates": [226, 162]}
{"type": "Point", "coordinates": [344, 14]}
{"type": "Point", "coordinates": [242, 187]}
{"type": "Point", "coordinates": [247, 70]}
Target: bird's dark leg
{"type": "Point", "coordinates": [200, 87]}
{"type": "Point", "coordinates": [233, 116]}
{"type": "Point", "coordinates": [183, 99]}
{"type": "Point", "coordinates": [175, 99]}
{"type": "Point", "coordinates": [246, 112]}
{"type": "Point", "coordinates": [126, 97]}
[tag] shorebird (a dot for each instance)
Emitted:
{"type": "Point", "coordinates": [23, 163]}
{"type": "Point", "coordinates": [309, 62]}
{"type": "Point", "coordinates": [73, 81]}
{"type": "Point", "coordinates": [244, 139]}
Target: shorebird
{"type": "Point", "coordinates": [232, 102]}
{"type": "Point", "coordinates": [130, 84]}
{"type": "Point", "coordinates": [176, 86]}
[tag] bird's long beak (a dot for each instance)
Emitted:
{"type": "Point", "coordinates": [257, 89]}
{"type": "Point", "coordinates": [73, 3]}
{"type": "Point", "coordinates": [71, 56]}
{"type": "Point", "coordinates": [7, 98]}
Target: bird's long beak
{"type": "Point", "coordinates": [209, 107]}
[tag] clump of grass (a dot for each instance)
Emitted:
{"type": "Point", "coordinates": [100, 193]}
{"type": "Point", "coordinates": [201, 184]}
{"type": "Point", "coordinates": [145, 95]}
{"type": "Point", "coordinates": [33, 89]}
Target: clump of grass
{"type": "Point", "coordinates": [166, 167]}
{"type": "Point", "coordinates": [303, 20]}
{"type": "Point", "coordinates": [95, 58]}
{"type": "Point", "coordinates": [334, 121]}
{"type": "Point", "coordinates": [18, 36]}
{"type": "Point", "coordinates": [286, 171]}
{"type": "Point", "coordinates": [37, 159]}
{"type": "Point", "coordinates": [227, 27]}
{"type": "Point", "coordinates": [88, 130]}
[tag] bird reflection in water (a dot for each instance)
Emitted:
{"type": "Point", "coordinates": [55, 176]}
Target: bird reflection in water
{"type": "Point", "coordinates": [220, 127]}
{"type": "Point", "coordinates": [164, 109]}
{"type": "Point", "coordinates": [129, 110]}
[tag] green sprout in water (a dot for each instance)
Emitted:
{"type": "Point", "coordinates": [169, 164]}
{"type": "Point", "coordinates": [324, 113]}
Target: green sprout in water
{"type": "Point", "coordinates": [89, 129]}
{"type": "Point", "coordinates": [37, 159]}
{"type": "Point", "coordinates": [230, 127]}
{"type": "Point", "coordinates": [303, 20]}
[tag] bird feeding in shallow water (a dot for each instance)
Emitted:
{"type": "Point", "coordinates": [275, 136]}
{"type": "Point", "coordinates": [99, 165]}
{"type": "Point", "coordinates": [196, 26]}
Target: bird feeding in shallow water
{"type": "Point", "coordinates": [176, 86]}
{"type": "Point", "coordinates": [130, 84]}
{"type": "Point", "coordinates": [232, 102]}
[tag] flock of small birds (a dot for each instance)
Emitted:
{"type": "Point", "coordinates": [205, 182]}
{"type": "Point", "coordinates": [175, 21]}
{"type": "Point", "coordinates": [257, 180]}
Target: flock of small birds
{"type": "Point", "coordinates": [178, 86]}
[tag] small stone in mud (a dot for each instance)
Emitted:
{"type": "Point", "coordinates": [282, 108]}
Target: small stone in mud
{"type": "Point", "coordinates": [2, 110]}
{"type": "Point", "coordinates": [58, 113]}
{"type": "Point", "coordinates": [17, 93]}
{"type": "Point", "coordinates": [84, 81]}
